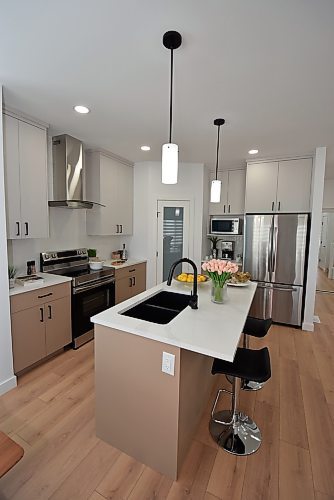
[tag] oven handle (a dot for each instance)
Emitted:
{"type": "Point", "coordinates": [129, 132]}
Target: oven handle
{"type": "Point", "coordinates": [96, 284]}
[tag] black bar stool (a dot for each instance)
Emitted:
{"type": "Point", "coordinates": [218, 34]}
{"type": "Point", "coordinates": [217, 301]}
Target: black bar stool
{"type": "Point", "coordinates": [259, 328]}
{"type": "Point", "coordinates": [253, 327]}
{"type": "Point", "coordinates": [231, 429]}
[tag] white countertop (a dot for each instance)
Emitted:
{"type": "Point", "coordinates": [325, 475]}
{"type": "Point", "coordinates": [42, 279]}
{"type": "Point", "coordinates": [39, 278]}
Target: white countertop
{"type": "Point", "coordinates": [49, 280]}
{"type": "Point", "coordinates": [212, 329]}
{"type": "Point", "coordinates": [129, 262]}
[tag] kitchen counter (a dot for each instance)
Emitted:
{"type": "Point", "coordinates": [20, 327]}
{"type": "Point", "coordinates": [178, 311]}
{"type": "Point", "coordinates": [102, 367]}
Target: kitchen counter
{"type": "Point", "coordinates": [129, 262]}
{"type": "Point", "coordinates": [213, 329]}
{"type": "Point", "coordinates": [49, 280]}
{"type": "Point", "coordinates": [150, 408]}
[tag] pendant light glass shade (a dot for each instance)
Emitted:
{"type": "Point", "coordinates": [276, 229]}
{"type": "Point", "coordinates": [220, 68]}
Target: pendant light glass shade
{"type": "Point", "coordinates": [170, 163]}
{"type": "Point", "coordinates": [216, 187]}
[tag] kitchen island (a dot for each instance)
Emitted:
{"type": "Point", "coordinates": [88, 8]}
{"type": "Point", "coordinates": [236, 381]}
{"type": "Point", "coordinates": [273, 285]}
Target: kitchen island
{"type": "Point", "coordinates": [143, 411]}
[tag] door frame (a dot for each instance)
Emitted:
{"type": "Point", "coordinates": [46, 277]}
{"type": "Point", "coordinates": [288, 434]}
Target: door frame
{"type": "Point", "coordinates": [188, 221]}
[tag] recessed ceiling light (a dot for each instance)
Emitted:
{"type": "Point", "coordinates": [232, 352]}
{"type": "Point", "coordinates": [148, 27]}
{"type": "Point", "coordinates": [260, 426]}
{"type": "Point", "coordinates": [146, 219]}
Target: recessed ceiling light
{"type": "Point", "coordinates": [253, 151]}
{"type": "Point", "coordinates": [145, 148]}
{"type": "Point", "coordinates": [81, 109]}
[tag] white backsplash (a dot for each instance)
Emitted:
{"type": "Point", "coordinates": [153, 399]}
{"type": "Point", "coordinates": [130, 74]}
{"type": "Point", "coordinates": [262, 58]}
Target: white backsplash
{"type": "Point", "coordinates": [67, 231]}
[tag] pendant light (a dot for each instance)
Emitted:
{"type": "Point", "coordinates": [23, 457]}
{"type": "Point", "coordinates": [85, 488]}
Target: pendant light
{"type": "Point", "coordinates": [216, 185]}
{"type": "Point", "coordinates": [170, 152]}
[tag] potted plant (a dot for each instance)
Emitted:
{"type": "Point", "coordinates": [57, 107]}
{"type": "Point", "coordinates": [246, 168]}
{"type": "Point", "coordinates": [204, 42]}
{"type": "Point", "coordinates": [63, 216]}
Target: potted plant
{"type": "Point", "coordinates": [91, 252]}
{"type": "Point", "coordinates": [11, 276]}
{"type": "Point", "coordinates": [214, 241]}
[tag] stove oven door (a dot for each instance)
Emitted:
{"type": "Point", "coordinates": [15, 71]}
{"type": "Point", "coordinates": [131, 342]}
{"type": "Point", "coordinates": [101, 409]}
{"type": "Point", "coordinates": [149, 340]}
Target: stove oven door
{"type": "Point", "coordinates": [87, 300]}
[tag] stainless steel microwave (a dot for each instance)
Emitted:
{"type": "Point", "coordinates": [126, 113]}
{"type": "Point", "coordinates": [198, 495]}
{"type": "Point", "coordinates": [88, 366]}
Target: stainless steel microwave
{"type": "Point", "coordinates": [223, 225]}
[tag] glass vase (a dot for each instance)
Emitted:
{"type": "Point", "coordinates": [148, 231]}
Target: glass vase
{"type": "Point", "coordinates": [218, 293]}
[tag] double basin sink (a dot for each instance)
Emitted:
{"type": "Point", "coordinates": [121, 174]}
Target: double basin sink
{"type": "Point", "coordinates": [160, 308]}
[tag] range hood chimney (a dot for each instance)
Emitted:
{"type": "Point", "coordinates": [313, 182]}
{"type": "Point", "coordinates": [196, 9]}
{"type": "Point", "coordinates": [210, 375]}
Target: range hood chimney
{"type": "Point", "coordinates": [67, 155]}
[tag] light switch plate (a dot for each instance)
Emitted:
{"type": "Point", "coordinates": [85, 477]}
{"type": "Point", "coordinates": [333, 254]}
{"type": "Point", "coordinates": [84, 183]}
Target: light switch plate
{"type": "Point", "coordinates": [168, 363]}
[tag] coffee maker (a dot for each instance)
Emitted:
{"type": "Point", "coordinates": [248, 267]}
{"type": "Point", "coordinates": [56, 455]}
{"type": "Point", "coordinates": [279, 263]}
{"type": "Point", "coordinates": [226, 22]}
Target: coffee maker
{"type": "Point", "coordinates": [227, 250]}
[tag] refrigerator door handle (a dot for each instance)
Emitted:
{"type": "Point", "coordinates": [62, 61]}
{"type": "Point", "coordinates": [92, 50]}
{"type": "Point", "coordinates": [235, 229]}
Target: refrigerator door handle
{"type": "Point", "coordinates": [273, 249]}
{"type": "Point", "coordinates": [270, 259]}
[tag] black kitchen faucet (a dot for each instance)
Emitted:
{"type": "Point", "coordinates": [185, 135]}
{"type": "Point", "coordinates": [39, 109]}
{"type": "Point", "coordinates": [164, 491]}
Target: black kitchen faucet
{"type": "Point", "coordinates": [193, 302]}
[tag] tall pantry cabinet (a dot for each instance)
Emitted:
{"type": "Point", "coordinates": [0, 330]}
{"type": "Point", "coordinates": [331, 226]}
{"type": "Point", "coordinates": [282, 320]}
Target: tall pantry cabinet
{"type": "Point", "coordinates": [26, 186]}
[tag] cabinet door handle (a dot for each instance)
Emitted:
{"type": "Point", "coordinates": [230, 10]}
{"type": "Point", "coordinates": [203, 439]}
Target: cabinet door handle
{"type": "Point", "coordinates": [117, 228]}
{"type": "Point", "coordinates": [46, 295]}
{"type": "Point", "coordinates": [130, 282]}
{"type": "Point", "coordinates": [42, 314]}
{"type": "Point", "coordinates": [224, 208]}
{"type": "Point", "coordinates": [134, 281]}
{"type": "Point", "coordinates": [27, 229]}
{"type": "Point", "coordinates": [50, 312]}
{"type": "Point", "coordinates": [121, 228]}
{"type": "Point", "coordinates": [18, 229]}
{"type": "Point", "coordinates": [279, 206]}
{"type": "Point", "coordinates": [272, 206]}
{"type": "Point", "coordinates": [229, 208]}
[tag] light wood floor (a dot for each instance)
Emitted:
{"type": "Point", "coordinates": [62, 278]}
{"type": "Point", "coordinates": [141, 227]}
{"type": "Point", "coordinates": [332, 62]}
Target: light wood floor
{"type": "Point", "coordinates": [51, 414]}
{"type": "Point", "coordinates": [323, 282]}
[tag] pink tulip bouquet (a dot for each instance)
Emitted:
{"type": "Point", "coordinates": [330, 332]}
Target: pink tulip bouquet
{"type": "Point", "coordinates": [220, 271]}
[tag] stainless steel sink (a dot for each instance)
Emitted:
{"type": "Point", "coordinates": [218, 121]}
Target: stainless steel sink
{"type": "Point", "coordinates": [160, 309]}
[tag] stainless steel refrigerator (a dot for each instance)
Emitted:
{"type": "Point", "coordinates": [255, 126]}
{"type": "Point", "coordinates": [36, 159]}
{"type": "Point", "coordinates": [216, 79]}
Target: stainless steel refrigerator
{"type": "Point", "coordinates": [275, 255]}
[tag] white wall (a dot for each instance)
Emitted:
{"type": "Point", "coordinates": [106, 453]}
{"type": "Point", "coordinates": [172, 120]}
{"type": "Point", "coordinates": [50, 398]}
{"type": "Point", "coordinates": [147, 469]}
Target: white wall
{"type": "Point", "coordinates": [147, 190]}
{"type": "Point", "coordinates": [7, 377]}
{"type": "Point", "coordinates": [67, 230]}
{"type": "Point", "coordinates": [316, 216]}
{"type": "Point", "coordinates": [328, 200]}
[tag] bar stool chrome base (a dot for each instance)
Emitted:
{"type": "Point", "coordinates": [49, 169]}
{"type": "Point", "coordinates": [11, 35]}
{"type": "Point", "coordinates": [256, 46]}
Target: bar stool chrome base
{"type": "Point", "coordinates": [241, 437]}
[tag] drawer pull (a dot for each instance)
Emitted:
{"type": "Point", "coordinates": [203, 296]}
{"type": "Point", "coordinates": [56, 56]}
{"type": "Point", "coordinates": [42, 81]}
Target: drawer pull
{"type": "Point", "coordinates": [132, 270]}
{"type": "Point", "coordinates": [46, 295]}
{"type": "Point", "coordinates": [42, 314]}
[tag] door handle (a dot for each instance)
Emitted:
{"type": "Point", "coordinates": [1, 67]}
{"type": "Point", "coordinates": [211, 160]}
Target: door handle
{"type": "Point", "coordinates": [18, 229]}
{"type": "Point", "coordinates": [50, 312]}
{"type": "Point", "coordinates": [134, 281]}
{"type": "Point", "coordinates": [130, 282]}
{"type": "Point", "coordinates": [281, 289]}
{"type": "Point", "coordinates": [27, 229]}
{"type": "Point", "coordinates": [272, 206]}
{"type": "Point", "coordinates": [42, 314]}
{"type": "Point", "coordinates": [121, 228]}
{"type": "Point", "coordinates": [117, 230]}
{"type": "Point", "coordinates": [279, 206]}
{"type": "Point", "coordinates": [229, 209]}
{"type": "Point", "coordinates": [224, 208]}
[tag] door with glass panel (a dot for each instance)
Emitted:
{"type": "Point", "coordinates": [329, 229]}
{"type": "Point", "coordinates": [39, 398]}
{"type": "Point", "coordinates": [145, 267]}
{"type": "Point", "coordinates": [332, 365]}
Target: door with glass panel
{"type": "Point", "coordinates": [172, 237]}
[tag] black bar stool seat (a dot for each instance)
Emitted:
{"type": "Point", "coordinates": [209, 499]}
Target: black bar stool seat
{"type": "Point", "coordinates": [234, 431]}
{"type": "Point", "coordinates": [247, 364]}
{"type": "Point", "coordinates": [256, 327]}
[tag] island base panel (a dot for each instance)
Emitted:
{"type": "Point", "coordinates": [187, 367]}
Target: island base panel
{"type": "Point", "coordinates": [148, 414]}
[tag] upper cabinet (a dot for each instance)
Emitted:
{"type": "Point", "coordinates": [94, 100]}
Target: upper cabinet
{"type": "Point", "coordinates": [283, 186]}
{"type": "Point", "coordinates": [232, 198]}
{"type": "Point", "coordinates": [110, 183]}
{"type": "Point", "coordinates": [25, 155]}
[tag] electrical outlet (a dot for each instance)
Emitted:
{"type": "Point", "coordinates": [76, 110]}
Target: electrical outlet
{"type": "Point", "coordinates": [168, 363]}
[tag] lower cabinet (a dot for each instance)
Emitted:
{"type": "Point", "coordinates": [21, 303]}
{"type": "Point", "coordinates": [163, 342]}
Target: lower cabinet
{"type": "Point", "coordinates": [130, 281]}
{"type": "Point", "coordinates": [42, 329]}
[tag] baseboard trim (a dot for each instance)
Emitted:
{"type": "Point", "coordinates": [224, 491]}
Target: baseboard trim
{"type": "Point", "coordinates": [7, 385]}
{"type": "Point", "coordinates": [308, 327]}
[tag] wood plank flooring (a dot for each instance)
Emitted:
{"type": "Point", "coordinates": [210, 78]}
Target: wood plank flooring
{"type": "Point", "coordinates": [51, 414]}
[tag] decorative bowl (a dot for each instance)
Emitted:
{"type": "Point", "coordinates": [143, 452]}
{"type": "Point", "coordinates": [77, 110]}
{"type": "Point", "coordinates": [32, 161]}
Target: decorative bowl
{"type": "Point", "coordinates": [190, 283]}
{"type": "Point", "coordinates": [95, 265]}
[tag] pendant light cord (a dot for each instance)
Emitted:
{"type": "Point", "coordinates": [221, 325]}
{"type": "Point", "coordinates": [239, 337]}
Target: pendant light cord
{"type": "Point", "coordinates": [171, 94]}
{"type": "Point", "coordinates": [217, 153]}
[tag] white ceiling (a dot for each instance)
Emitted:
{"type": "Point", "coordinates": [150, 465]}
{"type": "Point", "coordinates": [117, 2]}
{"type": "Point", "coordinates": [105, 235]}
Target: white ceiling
{"type": "Point", "coordinates": [266, 66]}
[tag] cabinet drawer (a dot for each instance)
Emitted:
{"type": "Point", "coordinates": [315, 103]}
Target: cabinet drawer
{"type": "Point", "coordinates": [130, 271]}
{"type": "Point", "coordinates": [25, 300]}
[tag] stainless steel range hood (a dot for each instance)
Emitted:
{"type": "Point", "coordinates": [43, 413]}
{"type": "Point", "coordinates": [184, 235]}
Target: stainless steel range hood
{"type": "Point", "coordinates": [67, 155]}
